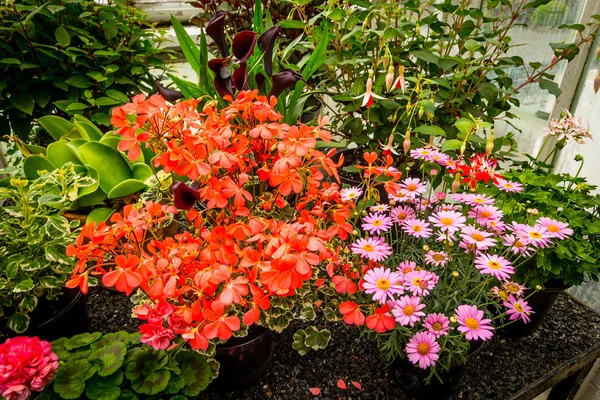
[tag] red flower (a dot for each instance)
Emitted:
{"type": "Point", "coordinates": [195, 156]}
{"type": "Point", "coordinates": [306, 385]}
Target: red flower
{"type": "Point", "coordinates": [123, 278]}
{"type": "Point", "coordinates": [381, 321]}
{"type": "Point", "coordinates": [222, 326]}
{"type": "Point", "coordinates": [352, 314]}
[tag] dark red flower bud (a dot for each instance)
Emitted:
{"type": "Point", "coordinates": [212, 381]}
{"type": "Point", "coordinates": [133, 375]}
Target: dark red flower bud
{"type": "Point", "coordinates": [168, 94]}
{"type": "Point", "coordinates": [184, 197]}
{"type": "Point", "coordinates": [216, 30]}
{"type": "Point", "coordinates": [239, 77]}
{"type": "Point", "coordinates": [283, 80]}
{"type": "Point", "coordinates": [243, 45]}
{"type": "Point", "coordinates": [266, 41]}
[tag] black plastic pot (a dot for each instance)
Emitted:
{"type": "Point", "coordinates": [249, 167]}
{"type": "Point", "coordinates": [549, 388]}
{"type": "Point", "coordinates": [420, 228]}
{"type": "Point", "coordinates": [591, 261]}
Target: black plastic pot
{"type": "Point", "coordinates": [65, 316]}
{"type": "Point", "coordinates": [243, 360]}
{"type": "Point", "coordinates": [354, 157]}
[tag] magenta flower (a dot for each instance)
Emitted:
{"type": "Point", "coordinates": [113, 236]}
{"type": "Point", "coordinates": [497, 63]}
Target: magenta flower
{"type": "Point", "coordinates": [373, 248]}
{"type": "Point", "coordinates": [485, 213]}
{"type": "Point", "coordinates": [472, 323]}
{"type": "Point", "coordinates": [413, 187]}
{"type": "Point", "coordinates": [536, 236]}
{"type": "Point", "coordinates": [377, 223]}
{"type": "Point", "coordinates": [417, 228]}
{"type": "Point", "coordinates": [351, 194]}
{"type": "Point", "coordinates": [516, 245]}
{"type": "Point", "coordinates": [511, 187]}
{"type": "Point", "coordinates": [383, 284]}
{"type": "Point", "coordinates": [407, 310]}
{"type": "Point", "coordinates": [401, 213]}
{"type": "Point", "coordinates": [476, 239]}
{"type": "Point", "coordinates": [156, 335]}
{"type": "Point", "coordinates": [420, 282]}
{"type": "Point", "coordinates": [448, 221]}
{"type": "Point", "coordinates": [437, 258]}
{"type": "Point", "coordinates": [554, 228]}
{"type": "Point", "coordinates": [494, 265]}
{"type": "Point", "coordinates": [437, 324]}
{"type": "Point", "coordinates": [422, 349]}
{"type": "Point", "coordinates": [476, 199]}
{"type": "Point", "coordinates": [518, 308]}
{"type": "Point", "coordinates": [406, 266]}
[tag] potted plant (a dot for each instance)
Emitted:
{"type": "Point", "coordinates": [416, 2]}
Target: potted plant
{"type": "Point", "coordinates": [268, 219]}
{"type": "Point", "coordinates": [33, 264]}
{"type": "Point", "coordinates": [431, 274]}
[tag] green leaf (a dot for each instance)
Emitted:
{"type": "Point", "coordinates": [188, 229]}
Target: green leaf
{"type": "Point", "coordinates": [432, 130]}
{"type": "Point", "coordinates": [24, 286]}
{"type": "Point", "coordinates": [308, 312]}
{"type": "Point", "coordinates": [28, 303]}
{"type": "Point", "coordinates": [104, 387]}
{"type": "Point", "coordinates": [106, 101]}
{"type": "Point", "coordinates": [59, 153]}
{"type": "Point", "coordinates": [50, 282]}
{"type": "Point", "coordinates": [317, 339]}
{"type": "Point", "coordinates": [35, 163]}
{"type": "Point", "coordinates": [298, 344]}
{"type": "Point", "coordinates": [76, 106]}
{"type": "Point", "coordinates": [79, 81]}
{"type": "Point", "coordinates": [62, 36]}
{"type": "Point", "coordinates": [292, 24]}
{"type": "Point", "coordinates": [10, 61]}
{"type": "Point", "coordinates": [451, 144]}
{"type": "Point", "coordinates": [87, 129]}
{"type": "Point", "coordinates": [112, 168]}
{"type": "Point", "coordinates": [205, 83]}
{"type": "Point", "coordinates": [195, 371]}
{"type": "Point", "coordinates": [69, 381]}
{"type": "Point", "coordinates": [550, 86]}
{"type": "Point", "coordinates": [111, 358]}
{"type": "Point", "coordinates": [258, 14]}
{"type": "Point", "coordinates": [176, 383]}
{"type": "Point", "coordinates": [125, 188]}
{"type": "Point", "coordinates": [119, 96]}
{"type": "Point", "coordinates": [98, 215]}
{"type": "Point", "coordinates": [188, 47]}
{"type": "Point", "coordinates": [18, 322]}
{"type": "Point", "coordinates": [141, 171]}
{"type": "Point", "coordinates": [189, 90]}
{"type": "Point", "coordinates": [427, 56]}
{"type": "Point", "coordinates": [153, 383]}
{"type": "Point", "coordinates": [81, 340]}
{"type": "Point", "coordinates": [57, 127]}
{"type": "Point", "coordinates": [22, 101]}
{"type": "Point", "coordinates": [464, 125]}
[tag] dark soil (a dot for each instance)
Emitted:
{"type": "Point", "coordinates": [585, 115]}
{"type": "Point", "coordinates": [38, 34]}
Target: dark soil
{"type": "Point", "coordinates": [498, 370]}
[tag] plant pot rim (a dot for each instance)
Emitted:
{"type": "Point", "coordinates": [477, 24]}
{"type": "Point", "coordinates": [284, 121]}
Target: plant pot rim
{"type": "Point", "coordinates": [266, 332]}
{"type": "Point", "coordinates": [62, 312]}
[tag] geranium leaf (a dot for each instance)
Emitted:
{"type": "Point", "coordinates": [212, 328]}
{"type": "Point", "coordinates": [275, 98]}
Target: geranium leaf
{"type": "Point", "coordinates": [111, 357]}
{"type": "Point", "coordinates": [104, 388]}
{"type": "Point", "coordinates": [153, 383]}
{"type": "Point", "coordinates": [195, 372]}
{"type": "Point", "coordinates": [317, 339]}
{"type": "Point", "coordinates": [81, 340]}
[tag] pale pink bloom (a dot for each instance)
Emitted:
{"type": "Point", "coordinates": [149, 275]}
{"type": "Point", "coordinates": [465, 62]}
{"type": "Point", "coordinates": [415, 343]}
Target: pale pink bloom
{"type": "Point", "coordinates": [424, 153]}
{"type": "Point", "coordinates": [383, 284]}
{"type": "Point", "coordinates": [417, 228]}
{"type": "Point", "coordinates": [401, 197]}
{"type": "Point", "coordinates": [477, 199]}
{"type": "Point", "coordinates": [485, 213]}
{"type": "Point", "coordinates": [368, 96]}
{"type": "Point", "coordinates": [407, 310]}
{"type": "Point", "coordinates": [437, 324]}
{"type": "Point", "coordinates": [514, 288]}
{"type": "Point", "coordinates": [518, 308]}
{"type": "Point", "coordinates": [516, 245]}
{"type": "Point", "coordinates": [413, 187]}
{"type": "Point", "coordinates": [372, 248]}
{"type": "Point", "coordinates": [536, 236]}
{"type": "Point", "coordinates": [379, 208]}
{"type": "Point", "coordinates": [494, 265]}
{"type": "Point", "coordinates": [448, 221]}
{"type": "Point", "coordinates": [448, 207]}
{"type": "Point", "coordinates": [407, 266]}
{"type": "Point", "coordinates": [351, 194]}
{"type": "Point", "coordinates": [449, 163]}
{"type": "Point", "coordinates": [437, 258]}
{"type": "Point", "coordinates": [419, 283]}
{"type": "Point", "coordinates": [445, 237]}
{"type": "Point", "coordinates": [507, 186]}
{"type": "Point", "coordinates": [377, 223]}
{"type": "Point", "coordinates": [16, 392]}
{"type": "Point", "coordinates": [156, 335]}
{"type": "Point", "coordinates": [459, 197]}
{"type": "Point", "coordinates": [568, 127]}
{"type": "Point", "coordinates": [555, 229]}
{"type": "Point", "coordinates": [422, 349]}
{"type": "Point", "coordinates": [440, 158]}
{"type": "Point", "coordinates": [496, 227]}
{"type": "Point", "coordinates": [476, 239]}
{"type": "Point", "coordinates": [472, 323]}
{"type": "Point", "coordinates": [401, 213]}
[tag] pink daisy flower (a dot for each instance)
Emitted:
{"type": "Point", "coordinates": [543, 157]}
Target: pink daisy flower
{"type": "Point", "coordinates": [437, 258]}
{"type": "Point", "coordinates": [377, 223]}
{"type": "Point", "coordinates": [407, 310]}
{"type": "Point", "coordinates": [518, 308]}
{"type": "Point", "coordinates": [383, 284]}
{"type": "Point", "coordinates": [423, 153]}
{"type": "Point", "coordinates": [448, 221]}
{"type": "Point", "coordinates": [351, 194]}
{"type": "Point", "coordinates": [448, 207]}
{"type": "Point", "coordinates": [476, 239]}
{"type": "Point", "coordinates": [537, 236]}
{"type": "Point", "coordinates": [485, 213]}
{"type": "Point", "coordinates": [516, 245]}
{"type": "Point", "coordinates": [401, 197]}
{"type": "Point", "coordinates": [413, 187]}
{"type": "Point", "coordinates": [379, 208]}
{"type": "Point", "coordinates": [420, 282]}
{"type": "Point", "coordinates": [507, 186]}
{"type": "Point", "coordinates": [495, 265]}
{"type": "Point", "coordinates": [437, 324]}
{"type": "Point", "coordinates": [401, 213]}
{"type": "Point", "coordinates": [497, 227]}
{"type": "Point", "coordinates": [422, 349]}
{"type": "Point", "coordinates": [373, 248]}
{"type": "Point", "coordinates": [472, 323]}
{"type": "Point", "coordinates": [555, 229]}
{"type": "Point", "coordinates": [514, 288]}
{"type": "Point", "coordinates": [407, 266]}
{"type": "Point", "coordinates": [450, 163]}
{"type": "Point", "coordinates": [440, 158]}
{"type": "Point", "coordinates": [417, 228]}
{"type": "Point", "coordinates": [477, 199]}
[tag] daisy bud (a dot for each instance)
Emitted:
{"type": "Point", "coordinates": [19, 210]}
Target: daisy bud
{"type": "Point", "coordinates": [425, 248]}
{"type": "Point", "coordinates": [473, 190]}
{"type": "Point", "coordinates": [346, 250]}
{"type": "Point", "coordinates": [355, 232]}
{"type": "Point", "coordinates": [364, 212]}
{"type": "Point", "coordinates": [433, 172]}
{"type": "Point", "coordinates": [532, 211]}
{"type": "Point", "coordinates": [355, 214]}
{"type": "Point", "coordinates": [538, 287]}
{"type": "Point", "coordinates": [389, 78]}
{"type": "Point", "coordinates": [453, 319]}
{"type": "Point", "coordinates": [455, 274]}
{"type": "Point", "coordinates": [392, 202]}
{"type": "Point", "coordinates": [451, 244]}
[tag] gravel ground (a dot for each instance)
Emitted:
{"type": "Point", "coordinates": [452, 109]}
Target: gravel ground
{"type": "Point", "coordinates": [499, 369]}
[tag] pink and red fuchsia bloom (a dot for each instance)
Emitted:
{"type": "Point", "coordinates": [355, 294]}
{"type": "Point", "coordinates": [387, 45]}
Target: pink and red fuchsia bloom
{"type": "Point", "coordinates": [472, 323]}
{"type": "Point", "coordinates": [26, 363]}
{"type": "Point", "coordinates": [383, 284]}
{"type": "Point", "coordinates": [422, 349]}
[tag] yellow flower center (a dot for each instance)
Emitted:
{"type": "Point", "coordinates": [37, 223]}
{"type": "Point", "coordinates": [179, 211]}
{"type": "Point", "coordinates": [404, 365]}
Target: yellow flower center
{"type": "Point", "coordinates": [408, 309]}
{"type": "Point", "coordinates": [479, 200]}
{"type": "Point", "coordinates": [471, 323]}
{"type": "Point", "coordinates": [417, 228]}
{"type": "Point", "coordinates": [417, 281]}
{"type": "Point", "coordinates": [518, 307]}
{"type": "Point", "coordinates": [383, 284]}
{"type": "Point", "coordinates": [439, 257]}
{"type": "Point", "coordinates": [553, 228]}
{"type": "Point", "coordinates": [535, 235]}
{"type": "Point", "coordinates": [485, 214]}
{"type": "Point", "coordinates": [437, 326]}
{"type": "Point", "coordinates": [494, 265]}
{"type": "Point", "coordinates": [503, 295]}
{"type": "Point", "coordinates": [512, 287]}
{"type": "Point", "coordinates": [368, 247]}
{"type": "Point", "coordinates": [446, 221]}
{"type": "Point", "coordinates": [508, 185]}
{"type": "Point", "coordinates": [477, 236]}
{"type": "Point", "coordinates": [518, 243]}
{"type": "Point", "coordinates": [401, 216]}
{"type": "Point", "coordinates": [406, 270]}
{"type": "Point", "coordinates": [377, 222]}
{"type": "Point", "coordinates": [411, 187]}
{"type": "Point", "coordinates": [423, 349]}
{"type": "Point", "coordinates": [351, 194]}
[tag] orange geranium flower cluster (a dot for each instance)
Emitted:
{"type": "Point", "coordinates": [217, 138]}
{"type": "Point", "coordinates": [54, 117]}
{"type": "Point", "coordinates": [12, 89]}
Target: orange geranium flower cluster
{"type": "Point", "coordinates": [268, 220]}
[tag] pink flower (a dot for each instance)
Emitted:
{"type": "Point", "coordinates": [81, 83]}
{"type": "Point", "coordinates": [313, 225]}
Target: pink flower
{"type": "Point", "coordinates": [377, 223]}
{"type": "Point", "coordinates": [476, 239]}
{"type": "Point", "coordinates": [536, 236]}
{"type": "Point", "coordinates": [401, 213]}
{"type": "Point", "coordinates": [372, 248]}
{"type": "Point", "coordinates": [437, 324]}
{"type": "Point", "coordinates": [379, 208]}
{"type": "Point", "coordinates": [514, 288]}
{"type": "Point", "coordinates": [383, 284]}
{"type": "Point", "coordinates": [485, 213]}
{"type": "Point", "coordinates": [477, 199]}
{"type": "Point", "coordinates": [25, 363]}
{"type": "Point", "coordinates": [156, 335]}
{"type": "Point", "coordinates": [448, 221]}
{"type": "Point", "coordinates": [555, 229]}
{"type": "Point", "coordinates": [437, 258]}
{"type": "Point", "coordinates": [518, 308]}
{"type": "Point", "coordinates": [350, 194]}
{"type": "Point", "coordinates": [516, 245]}
{"type": "Point", "coordinates": [407, 266]}
{"type": "Point", "coordinates": [407, 310]}
{"type": "Point", "coordinates": [472, 323]}
{"type": "Point", "coordinates": [495, 265]}
{"type": "Point", "coordinates": [420, 282]}
{"type": "Point", "coordinates": [507, 186]}
{"type": "Point", "coordinates": [423, 153]}
{"type": "Point", "coordinates": [413, 187]}
{"type": "Point", "coordinates": [417, 228]}
{"type": "Point", "coordinates": [422, 349]}
{"type": "Point", "coordinates": [567, 127]}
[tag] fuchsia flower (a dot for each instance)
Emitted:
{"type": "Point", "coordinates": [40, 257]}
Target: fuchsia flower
{"type": "Point", "coordinates": [448, 221]}
{"type": "Point", "coordinates": [413, 187]}
{"type": "Point", "coordinates": [407, 310]}
{"type": "Point", "coordinates": [420, 282]}
{"type": "Point", "coordinates": [437, 258]}
{"type": "Point", "coordinates": [383, 284]}
{"type": "Point", "coordinates": [401, 213]}
{"type": "Point", "coordinates": [506, 186]}
{"type": "Point", "coordinates": [372, 248]}
{"type": "Point", "coordinates": [377, 223]}
{"type": "Point", "coordinates": [417, 228]}
{"type": "Point", "coordinates": [495, 265]}
{"type": "Point", "coordinates": [407, 266]}
{"type": "Point", "coordinates": [350, 194]}
{"type": "Point", "coordinates": [26, 363]}
{"type": "Point", "coordinates": [518, 308]}
{"type": "Point", "coordinates": [472, 323]}
{"type": "Point", "coordinates": [422, 349]}
{"type": "Point", "coordinates": [476, 239]}
{"type": "Point", "coordinates": [554, 228]}
{"type": "Point", "coordinates": [437, 324]}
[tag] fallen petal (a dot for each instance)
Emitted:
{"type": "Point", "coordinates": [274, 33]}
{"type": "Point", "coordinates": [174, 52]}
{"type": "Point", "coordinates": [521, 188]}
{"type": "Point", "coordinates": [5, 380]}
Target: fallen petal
{"type": "Point", "coordinates": [357, 385]}
{"type": "Point", "coordinates": [315, 391]}
{"type": "Point", "coordinates": [341, 384]}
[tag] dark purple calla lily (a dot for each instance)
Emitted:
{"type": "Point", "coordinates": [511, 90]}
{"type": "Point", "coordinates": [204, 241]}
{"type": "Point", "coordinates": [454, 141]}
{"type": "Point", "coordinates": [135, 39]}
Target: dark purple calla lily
{"type": "Point", "coordinates": [283, 80]}
{"type": "Point", "coordinates": [243, 45]}
{"type": "Point", "coordinates": [239, 77]}
{"type": "Point", "coordinates": [220, 66]}
{"type": "Point", "coordinates": [260, 82]}
{"type": "Point", "coordinates": [184, 197]}
{"type": "Point", "coordinates": [266, 41]}
{"type": "Point", "coordinates": [168, 94]}
{"type": "Point", "coordinates": [216, 30]}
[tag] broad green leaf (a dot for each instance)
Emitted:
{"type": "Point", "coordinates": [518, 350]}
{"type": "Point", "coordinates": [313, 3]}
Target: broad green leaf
{"type": "Point", "coordinates": [57, 127]}
{"type": "Point", "coordinates": [83, 339]}
{"type": "Point", "coordinates": [69, 381]}
{"type": "Point", "coordinates": [62, 36]}
{"type": "Point", "coordinates": [451, 144]}
{"type": "Point", "coordinates": [24, 286]}
{"type": "Point", "coordinates": [464, 125]}
{"type": "Point", "coordinates": [112, 169]}
{"type": "Point", "coordinates": [95, 198]}
{"type": "Point", "coordinates": [22, 101]}
{"type": "Point", "coordinates": [28, 303]}
{"type": "Point", "coordinates": [258, 15]}
{"type": "Point", "coordinates": [59, 153]}
{"type": "Point", "coordinates": [125, 188]}
{"type": "Point", "coordinates": [188, 47]}
{"type": "Point", "coordinates": [117, 95]}
{"type": "Point", "coordinates": [10, 61]}
{"type": "Point", "coordinates": [298, 344]}
{"type": "Point", "coordinates": [98, 215]}
{"type": "Point", "coordinates": [317, 339]}
{"type": "Point", "coordinates": [427, 56]}
{"type": "Point", "coordinates": [18, 322]}
{"type": "Point", "coordinates": [111, 358]}
{"type": "Point", "coordinates": [195, 371]}
{"type": "Point", "coordinates": [35, 163]}
{"type": "Point", "coordinates": [292, 24]}
{"type": "Point", "coordinates": [79, 81]}
{"type": "Point", "coordinates": [550, 86]}
{"type": "Point", "coordinates": [432, 130]}
{"type": "Point", "coordinates": [88, 130]}
{"type": "Point", "coordinates": [308, 312]}
{"type": "Point", "coordinates": [153, 383]}
{"type": "Point", "coordinates": [141, 171]}
{"type": "Point", "coordinates": [189, 90]}
{"type": "Point", "coordinates": [104, 387]}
